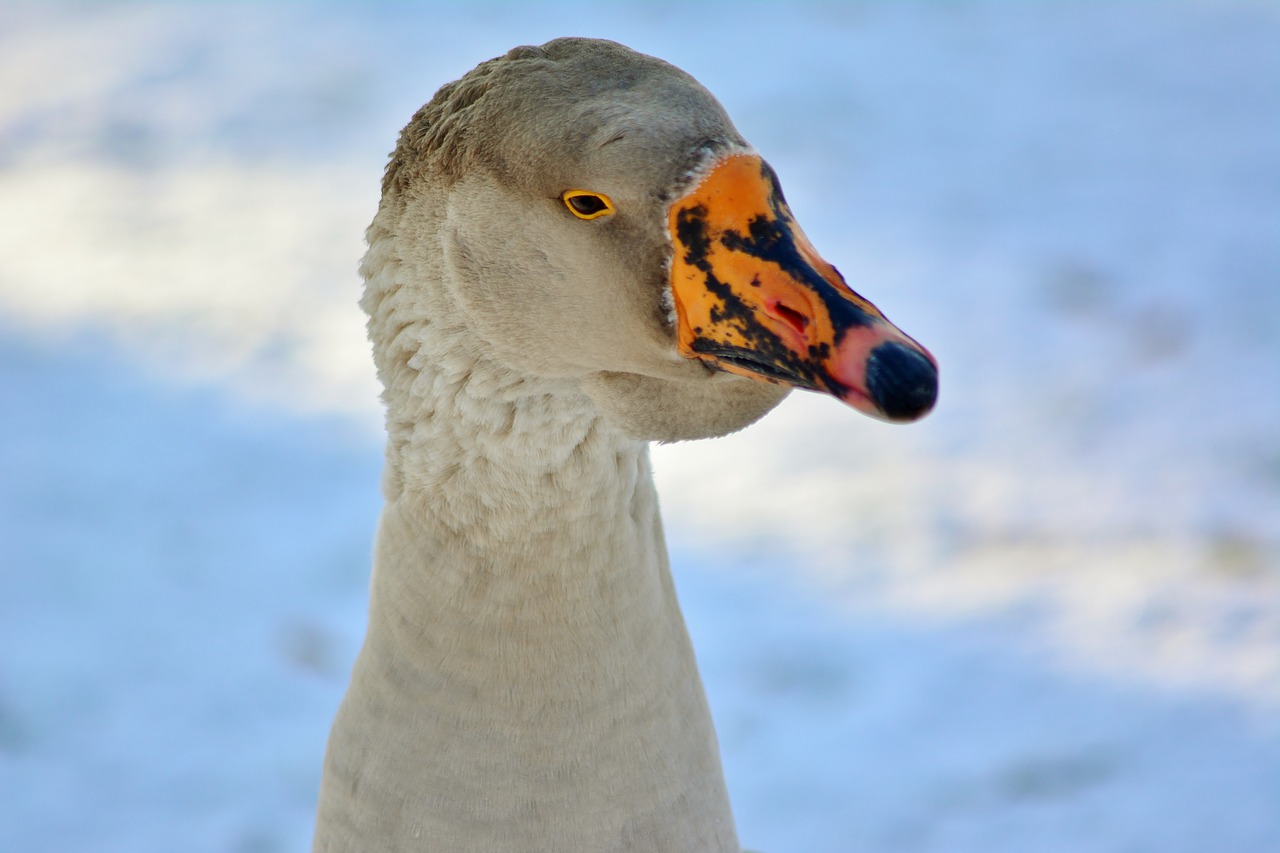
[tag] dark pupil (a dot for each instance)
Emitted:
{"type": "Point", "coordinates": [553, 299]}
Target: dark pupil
{"type": "Point", "coordinates": [587, 204]}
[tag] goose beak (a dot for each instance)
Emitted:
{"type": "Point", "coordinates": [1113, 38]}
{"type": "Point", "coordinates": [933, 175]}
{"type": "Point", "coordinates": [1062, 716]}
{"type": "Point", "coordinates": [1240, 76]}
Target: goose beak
{"type": "Point", "coordinates": [753, 297]}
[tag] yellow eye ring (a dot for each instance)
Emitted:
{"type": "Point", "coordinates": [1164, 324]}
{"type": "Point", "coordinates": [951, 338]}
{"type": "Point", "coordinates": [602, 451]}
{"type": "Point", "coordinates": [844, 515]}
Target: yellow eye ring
{"type": "Point", "coordinates": [585, 204]}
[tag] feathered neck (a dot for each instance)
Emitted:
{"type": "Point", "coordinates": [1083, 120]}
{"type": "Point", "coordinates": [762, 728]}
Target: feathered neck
{"type": "Point", "coordinates": [526, 682]}
{"type": "Point", "coordinates": [501, 456]}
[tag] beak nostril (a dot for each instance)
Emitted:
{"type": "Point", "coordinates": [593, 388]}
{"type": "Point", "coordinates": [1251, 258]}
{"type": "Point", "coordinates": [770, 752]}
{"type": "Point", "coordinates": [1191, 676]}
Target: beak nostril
{"type": "Point", "coordinates": [793, 318]}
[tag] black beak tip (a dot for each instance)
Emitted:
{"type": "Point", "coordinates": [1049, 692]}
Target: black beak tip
{"type": "Point", "coordinates": [901, 381]}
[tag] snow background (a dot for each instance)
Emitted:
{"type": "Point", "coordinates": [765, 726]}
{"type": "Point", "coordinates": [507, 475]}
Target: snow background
{"type": "Point", "coordinates": [1047, 618]}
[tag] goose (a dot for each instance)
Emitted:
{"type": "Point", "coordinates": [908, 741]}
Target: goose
{"type": "Point", "coordinates": [575, 254]}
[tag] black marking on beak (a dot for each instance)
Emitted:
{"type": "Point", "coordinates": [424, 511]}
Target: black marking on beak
{"type": "Point", "coordinates": [768, 356]}
{"type": "Point", "coordinates": [901, 381]}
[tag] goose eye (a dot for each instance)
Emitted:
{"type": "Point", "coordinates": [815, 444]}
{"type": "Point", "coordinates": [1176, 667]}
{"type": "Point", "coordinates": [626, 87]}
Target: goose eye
{"type": "Point", "coordinates": [587, 205]}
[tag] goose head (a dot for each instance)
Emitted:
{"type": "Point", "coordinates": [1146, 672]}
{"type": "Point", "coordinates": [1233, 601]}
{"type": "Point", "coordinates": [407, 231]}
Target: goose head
{"type": "Point", "coordinates": [591, 215]}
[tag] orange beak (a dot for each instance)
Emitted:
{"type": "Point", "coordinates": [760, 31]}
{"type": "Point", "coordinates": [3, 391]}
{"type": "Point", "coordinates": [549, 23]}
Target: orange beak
{"type": "Point", "coordinates": [753, 297]}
